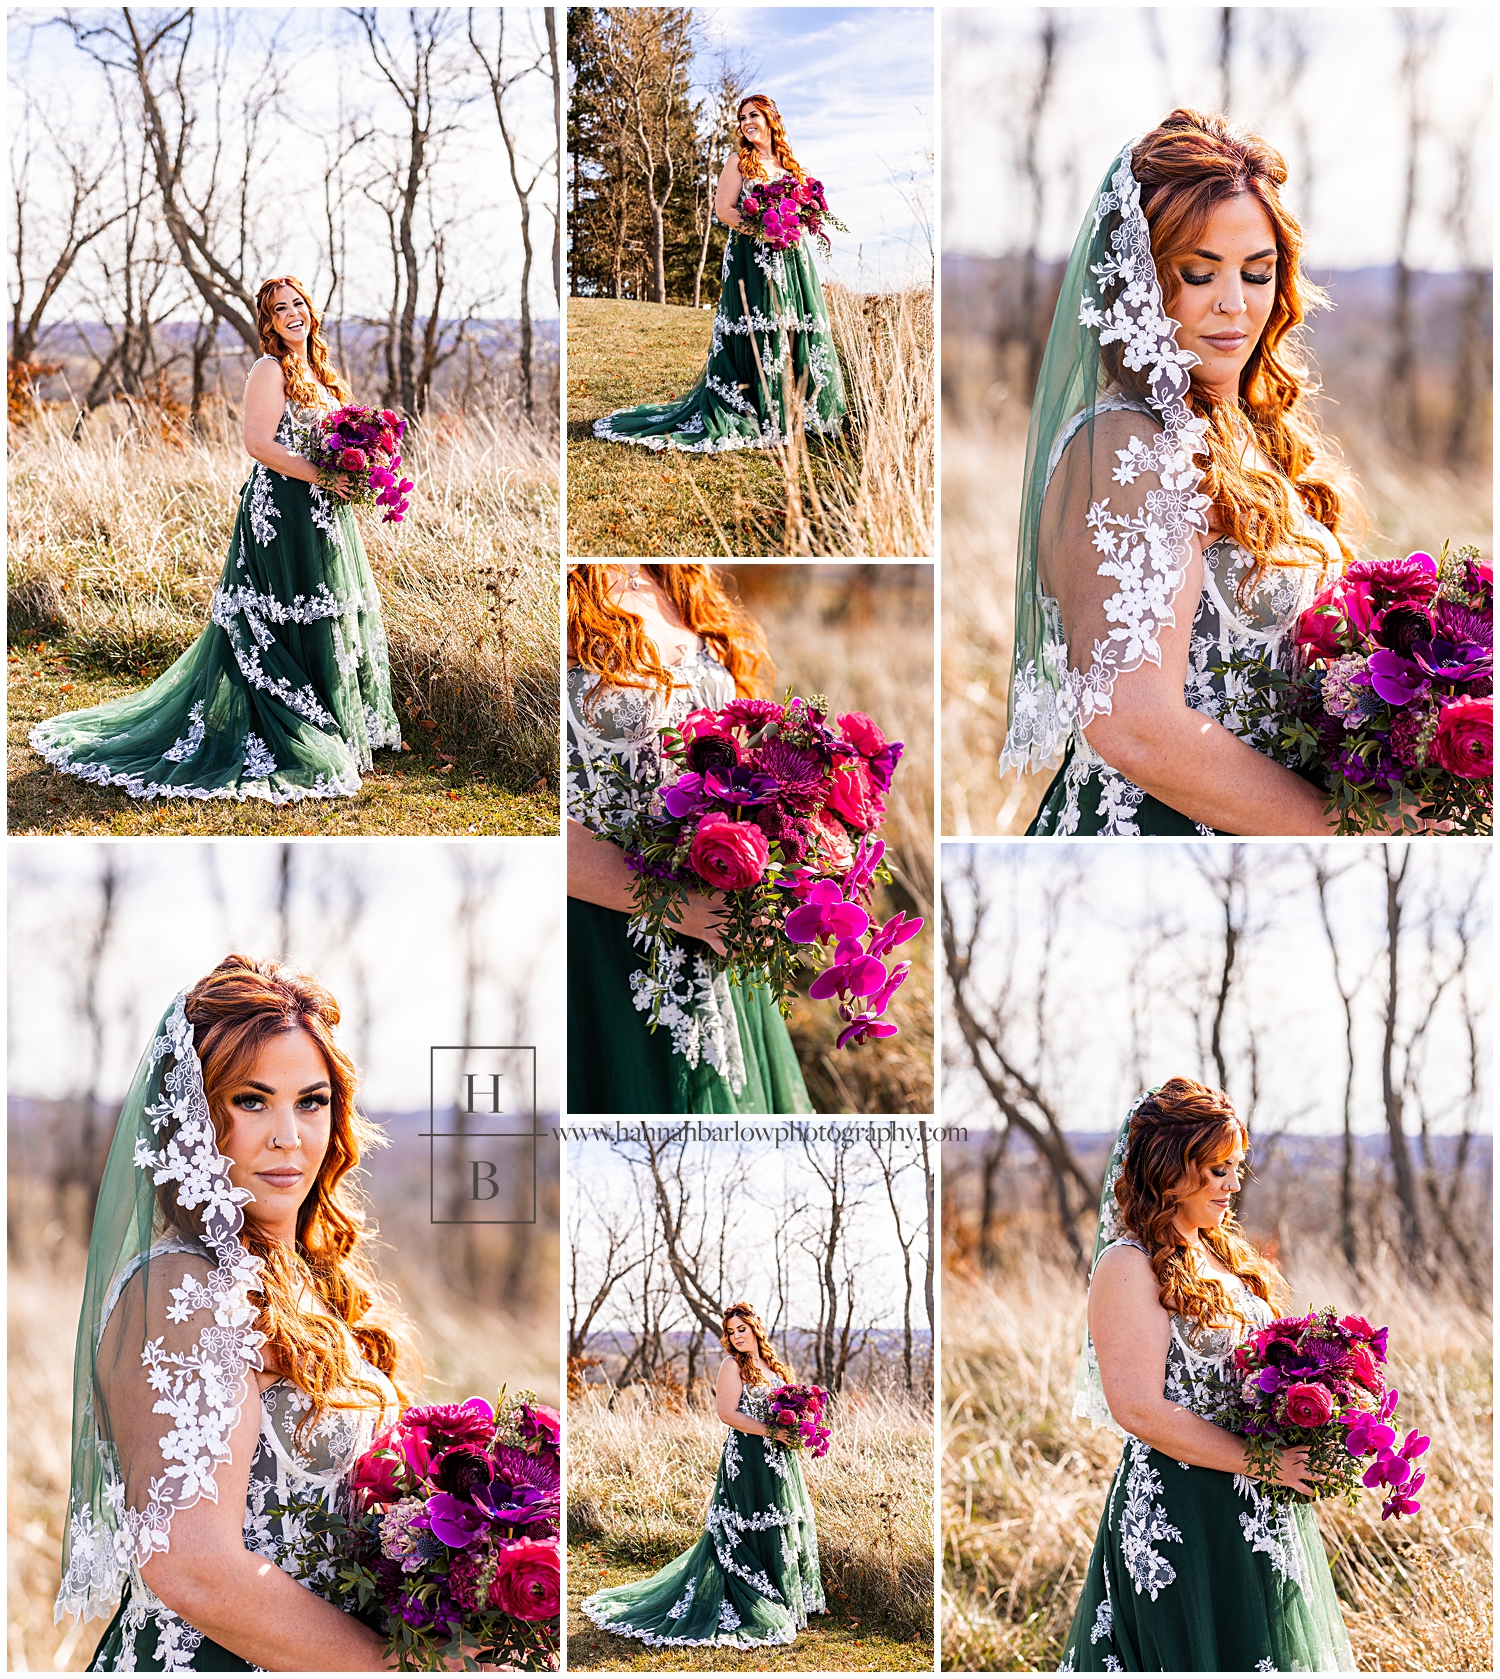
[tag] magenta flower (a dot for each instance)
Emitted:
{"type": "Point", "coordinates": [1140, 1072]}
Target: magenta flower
{"type": "Point", "coordinates": [454, 1520]}
{"type": "Point", "coordinates": [685, 796]}
{"type": "Point", "coordinates": [1396, 680]}
{"type": "Point", "coordinates": [1401, 1502]}
{"type": "Point", "coordinates": [1367, 1434]}
{"type": "Point", "coordinates": [896, 931]}
{"type": "Point", "coordinates": [881, 1001]}
{"type": "Point", "coordinates": [824, 914]}
{"type": "Point", "coordinates": [867, 857]}
{"type": "Point", "coordinates": [853, 974]}
{"type": "Point", "coordinates": [863, 1027]}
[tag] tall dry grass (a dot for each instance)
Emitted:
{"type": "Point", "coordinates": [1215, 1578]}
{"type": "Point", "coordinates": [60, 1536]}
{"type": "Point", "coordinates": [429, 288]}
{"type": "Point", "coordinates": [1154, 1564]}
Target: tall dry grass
{"type": "Point", "coordinates": [874, 495]}
{"type": "Point", "coordinates": [117, 540]}
{"type": "Point", "coordinates": [640, 1478]}
{"type": "Point", "coordinates": [1024, 1481]}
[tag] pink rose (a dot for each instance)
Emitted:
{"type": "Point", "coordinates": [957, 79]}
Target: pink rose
{"type": "Point", "coordinates": [700, 722]}
{"type": "Point", "coordinates": [727, 854]}
{"type": "Point", "coordinates": [831, 841]}
{"type": "Point", "coordinates": [854, 796]}
{"type": "Point", "coordinates": [1320, 633]}
{"type": "Point", "coordinates": [862, 733]}
{"type": "Point", "coordinates": [352, 460]}
{"type": "Point", "coordinates": [1465, 740]}
{"type": "Point", "coordinates": [528, 1580]}
{"type": "Point", "coordinates": [1308, 1404]}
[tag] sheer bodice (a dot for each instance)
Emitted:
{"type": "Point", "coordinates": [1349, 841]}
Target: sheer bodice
{"type": "Point", "coordinates": [1116, 607]}
{"type": "Point", "coordinates": [308, 1464]}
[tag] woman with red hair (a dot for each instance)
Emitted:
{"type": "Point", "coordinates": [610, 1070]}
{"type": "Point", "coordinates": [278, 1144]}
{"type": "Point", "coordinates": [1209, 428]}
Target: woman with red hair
{"type": "Point", "coordinates": [287, 692]}
{"type": "Point", "coordinates": [646, 646]}
{"type": "Point", "coordinates": [1181, 508]}
{"type": "Point", "coordinates": [231, 1354]}
{"type": "Point", "coordinates": [1196, 1569]}
{"type": "Point", "coordinates": [772, 365]}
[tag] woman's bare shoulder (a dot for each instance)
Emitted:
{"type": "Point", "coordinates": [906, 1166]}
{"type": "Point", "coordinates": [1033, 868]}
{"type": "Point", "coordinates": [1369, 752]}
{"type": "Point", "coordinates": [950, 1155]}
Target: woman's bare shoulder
{"type": "Point", "coordinates": [266, 373]}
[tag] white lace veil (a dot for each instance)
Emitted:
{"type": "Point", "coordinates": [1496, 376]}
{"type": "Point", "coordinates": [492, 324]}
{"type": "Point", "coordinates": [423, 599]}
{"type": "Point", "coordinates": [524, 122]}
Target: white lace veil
{"type": "Point", "coordinates": [1088, 1386]}
{"type": "Point", "coordinates": [166, 1336]}
{"type": "Point", "coordinates": [1116, 560]}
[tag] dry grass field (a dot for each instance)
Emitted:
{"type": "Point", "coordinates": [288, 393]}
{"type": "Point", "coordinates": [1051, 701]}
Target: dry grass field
{"type": "Point", "coordinates": [1024, 1481]}
{"type": "Point", "coordinates": [870, 492]}
{"type": "Point", "coordinates": [639, 1480]}
{"type": "Point", "coordinates": [115, 544]}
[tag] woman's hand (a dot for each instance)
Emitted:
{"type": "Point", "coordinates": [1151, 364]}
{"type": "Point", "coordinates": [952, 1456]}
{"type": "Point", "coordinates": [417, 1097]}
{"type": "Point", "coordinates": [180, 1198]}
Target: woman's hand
{"type": "Point", "coordinates": [338, 482]}
{"type": "Point", "coordinates": [700, 919]}
{"type": "Point", "coordinates": [1291, 1471]}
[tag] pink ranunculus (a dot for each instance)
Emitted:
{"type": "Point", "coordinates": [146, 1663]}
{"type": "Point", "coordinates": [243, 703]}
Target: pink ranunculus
{"type": "Point", "coordinates": [727, 854]}
{"type": "Point", "coordinates": [700, 722]}
{"type": "Point", "coordinates": [854, 795]}
{"type": "Point", "coordinates": [1465, 740]}
{"type": "Point", "coordinates": [352, 460]}
{"type": "Point", "coordinates": [1308, 1404]}
{"type": "Point", "coordinates": [862, 733]}
{"type": "Point", "coordinates": [528, 1580]}
{"type": "Point", "coordinates": [376, 1476]}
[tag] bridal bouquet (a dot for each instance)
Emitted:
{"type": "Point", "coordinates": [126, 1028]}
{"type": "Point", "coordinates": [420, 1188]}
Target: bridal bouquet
{"type": "Point", "coordinates": [795, 1405]}
{"type": "Point", "coordinates": [1392, 705]}
{"type": "Point", "coordinates": [779, 212]}
{"type": "Point", "coordinates": [362, 443]}
{"type": "Point", "coordinates": [1315, 1381]}
{"type": "Point", "coordinates": [775, 808]}
{"type": "Point", "coordinates": [451, 1546]}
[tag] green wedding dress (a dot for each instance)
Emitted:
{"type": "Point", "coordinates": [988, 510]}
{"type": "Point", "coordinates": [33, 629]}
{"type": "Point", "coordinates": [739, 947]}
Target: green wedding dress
{"type": "Point", "coordinates": [1197, 1570]}
{"type": "Point", "coordinates": [287, 692]}
{"type": "Point", "coordinates": [752, 1579]}
{"type": "Point", "coordinates": [771, 316]}
{"type": "Point", "coordinates": [718, 1048]}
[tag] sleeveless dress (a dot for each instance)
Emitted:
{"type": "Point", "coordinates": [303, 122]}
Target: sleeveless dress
{"type": "Point", "coordinates": [147, 1637]}
{"type": "Point", "coordinates": [287, 692]}
{"type": "Point", "coordinates": [770, 307]}
{"type": "Point", "coordinates": [1087, 796]}
{"type": "Point", "coordinates": [753, 1577]}
{"type": "Point", "coordinates": [1196, 1570]}
{"type": "Point", "coordinates": [719, 1048]}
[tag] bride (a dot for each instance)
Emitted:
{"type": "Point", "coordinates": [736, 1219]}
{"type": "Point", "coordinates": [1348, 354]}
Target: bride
{"type": "Point", "coordinates": [227, 1359]}
{"type": "Point", "coordinates": [1180, 506]}
{"type": "Point", "coordinates": [771, 313]}
{"type": "Point", "coordinates": [753, 1577]}
{"type": "Point", "coordinates": [646, 646]}
{"type": "Point", "coordinates": [287, 692]}
{"type": "Point", "coordinates": [1194, 1569]}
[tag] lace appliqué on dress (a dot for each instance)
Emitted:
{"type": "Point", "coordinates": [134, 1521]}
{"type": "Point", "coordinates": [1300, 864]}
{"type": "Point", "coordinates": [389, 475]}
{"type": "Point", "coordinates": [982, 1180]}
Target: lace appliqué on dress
{"type": "Point", "coordinates": [1144, 1524]}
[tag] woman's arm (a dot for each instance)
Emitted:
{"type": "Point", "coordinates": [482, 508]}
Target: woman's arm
{"type": "Point", "coordinates": [727, 1392]}
{"type": "Point", "coordinates": [243, 1601]}
{"type": "Point", "coordinates": [265, 402]}
{"type": "Point", "coordinates": [598, 874]}
{"type": "Point", "coordinates": [1132, 1333]}
{"type": "Point", "coordinates": [727, 198]}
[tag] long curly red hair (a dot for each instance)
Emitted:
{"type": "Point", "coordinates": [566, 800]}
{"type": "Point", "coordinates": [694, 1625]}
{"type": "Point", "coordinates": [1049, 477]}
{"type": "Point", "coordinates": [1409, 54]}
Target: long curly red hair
{"type": "Point", "coordinates": [743, 1310]}
{"type": "Point", "coordinates": [752, 166]}
{"type": "Point", "coordinates": [1178, 1133]}
{"type": "Point", "coordinates": [234, 1012]}
{"type": "Point", "coordinates": [605, 639]}
{"type": "Point", "coordinates": [1186, 167]}
{"type": "Point", "coordinates": [300, 386]}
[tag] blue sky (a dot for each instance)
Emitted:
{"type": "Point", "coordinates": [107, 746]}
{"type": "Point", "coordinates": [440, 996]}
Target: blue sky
{"type": "Point", "coordinates": [855, 88]}
{"type": "Point", "coordinates": [1120, 71]}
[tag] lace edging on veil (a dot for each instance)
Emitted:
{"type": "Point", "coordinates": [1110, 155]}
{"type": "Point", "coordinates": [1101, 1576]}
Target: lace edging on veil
{"type": "Point", "coordinates": [1145, 553]}
{"type": "Point", "coordinates": [201, 1390]}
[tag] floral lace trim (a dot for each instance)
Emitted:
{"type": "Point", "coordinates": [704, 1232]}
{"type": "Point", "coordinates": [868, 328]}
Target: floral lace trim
{"type": "Point", "coordinates": [1271, 1530]}
{"type": "Point", "coordinates": [696, 1007]}
{"type": "Point", "coordinates": [1146, 553]}
{"type": "Point", "coordinates": [202, 1390]}
{"type": "Point", "coordinates": [600, 1616]}
{"type": "Point", "coordinates": [1144, 1524]}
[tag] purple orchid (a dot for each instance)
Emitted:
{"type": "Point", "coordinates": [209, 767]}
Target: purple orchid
{"type": "Point", "coordinates": [1367, 1433]}
{"type": "Point", "coordinates": [454, 1520]}
{"type": "Point", "coordinates": [1401, 1502]}
{"type": "Point", "coordinates": [1396, 680]}
{"type": "Point", "coordinates": [853, 974]}
{"type": "Point", "coordinates": [896, 931]}
{"type": "Point", "coordinates": [881, 1001]}
{"type": "Point", "coordinates": [685, 796]}
{"type": "Point", "coordinates": [825, 914]}
{"type": "Point", "coordinates": [864, 1026]}
{"type": "Point", "coordinates": [861, 872]}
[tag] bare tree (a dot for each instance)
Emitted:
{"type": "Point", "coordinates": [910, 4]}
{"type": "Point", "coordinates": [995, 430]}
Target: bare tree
{"type": "Point", "coordinates": [501, 82]}
{"type": "Point", "coordinates": [555, 210]}
{"type": "Point", "coordinates": [718, 141]}
{"type": "Point", "coordinates": [891, 1167]}
{"type": "Point", "coordinates": [1420, 33]}
{"type": "Point", "coordinates": [1050, 37]}
{"type": "Point", "coordinates": [612, 1261]}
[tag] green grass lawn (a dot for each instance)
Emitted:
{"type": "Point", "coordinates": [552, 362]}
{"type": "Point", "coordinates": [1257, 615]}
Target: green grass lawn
{"type": "Point", "coordinates": [408, 792]}
{"type": "Point", "coordinates": [628, 500]}
{"type": "Point", "coordinates": [832, 1643]}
